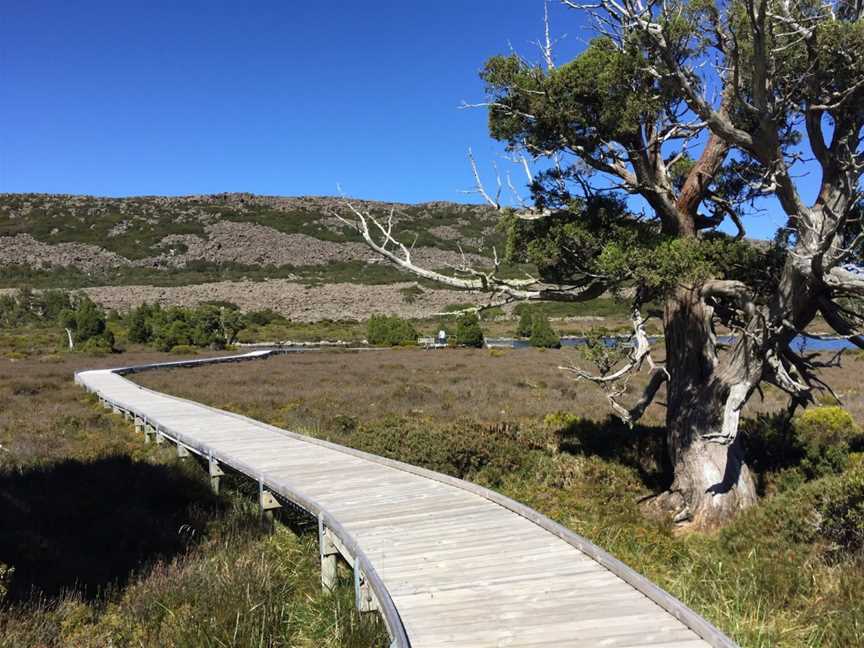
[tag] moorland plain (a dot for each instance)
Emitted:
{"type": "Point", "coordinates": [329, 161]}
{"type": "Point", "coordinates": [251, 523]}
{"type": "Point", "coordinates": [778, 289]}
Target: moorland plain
{"type": "Point", "coordinates": [188, 568]}
{"type": "Point", "coordinates": [511, 420]}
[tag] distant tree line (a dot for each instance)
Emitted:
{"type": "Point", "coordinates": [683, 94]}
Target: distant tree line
{"type": "Point", "coordinates": [83, 321]}
{"type": "Point", "coordinates": [207, 326]}
{"type": "Point", "coordinates": [213, 325]}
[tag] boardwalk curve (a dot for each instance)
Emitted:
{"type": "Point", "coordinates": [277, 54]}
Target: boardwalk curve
{"type": "Point", "coordinates": [445, 562]}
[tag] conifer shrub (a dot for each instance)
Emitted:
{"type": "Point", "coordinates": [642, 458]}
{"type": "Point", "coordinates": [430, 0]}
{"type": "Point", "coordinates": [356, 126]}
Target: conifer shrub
{"type": "Point", "coordinates": [87, 324]}
{"type": "Point", "coordinates": [27, 307]}
{"type": "Point", "coordinates": [526, 323]}
{"type": "Point", "coordinates": [140, 326]}
{"type": "Point", "coordinates": [468, 331]}
{"type": "Point", "coordinates": [263, 317]}
{"type": "Point", "coordinates": [542, 334]}
{"type": "Point", "coordinates": [206, 326]}
{"type": "Point", "coordinates": [390, 330]}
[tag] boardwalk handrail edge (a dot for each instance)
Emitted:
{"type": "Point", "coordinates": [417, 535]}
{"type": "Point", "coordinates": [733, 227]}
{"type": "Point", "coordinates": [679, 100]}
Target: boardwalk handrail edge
{"type": "Point", "coordinates": [686, 615]}
{"type": "Point", "coordinates": [387, 608]}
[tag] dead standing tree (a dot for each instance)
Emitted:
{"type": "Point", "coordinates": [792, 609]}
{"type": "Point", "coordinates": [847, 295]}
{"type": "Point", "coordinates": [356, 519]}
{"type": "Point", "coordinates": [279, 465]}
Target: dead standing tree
{"type": "Point", "coordinates": [704, 111]}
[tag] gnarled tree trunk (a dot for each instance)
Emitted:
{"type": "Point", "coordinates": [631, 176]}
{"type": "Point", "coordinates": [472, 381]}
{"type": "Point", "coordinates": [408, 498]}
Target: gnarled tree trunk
{"type": "Point", "coordinates": [704, 399]}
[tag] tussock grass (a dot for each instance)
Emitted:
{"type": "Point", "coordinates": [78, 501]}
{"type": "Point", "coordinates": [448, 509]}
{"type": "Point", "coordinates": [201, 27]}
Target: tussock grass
{"type": "Point", "coordinates": [115, 543]}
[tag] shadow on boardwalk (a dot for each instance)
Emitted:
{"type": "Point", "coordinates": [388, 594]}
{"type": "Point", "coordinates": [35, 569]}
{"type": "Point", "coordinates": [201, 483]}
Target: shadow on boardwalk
{"type": "Point", "coordinates": [89, 525]}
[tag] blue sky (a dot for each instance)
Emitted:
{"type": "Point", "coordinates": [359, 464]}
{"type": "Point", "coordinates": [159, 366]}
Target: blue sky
{"type": "Point", "coordinates": [290, 97]}
{"type": "Point", "coordinates": [269, 97]}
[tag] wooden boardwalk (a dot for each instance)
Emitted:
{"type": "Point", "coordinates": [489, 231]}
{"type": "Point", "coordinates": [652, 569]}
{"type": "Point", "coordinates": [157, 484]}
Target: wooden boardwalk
{"type": "Point", "coordinates": [445, 562]}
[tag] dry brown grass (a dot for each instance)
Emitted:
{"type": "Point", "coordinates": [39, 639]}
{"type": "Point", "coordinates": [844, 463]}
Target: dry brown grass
{"type": "Point", "coordinates": [481, 385]}
{"type": "Point", "coordinates": [114, 542]}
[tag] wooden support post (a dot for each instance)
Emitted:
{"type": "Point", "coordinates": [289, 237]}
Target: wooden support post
{"type": "Point", "coordinates": [363, 596]}
{"type": "Point", "coordinates": [266, 502]}
{"type": "Point", "coordinates": [139, 424]}
{"type": "Point", "coordinates": [328, 553]}
{"type": "Point", "coordinates": [182, 451]}
{"type": "Point", "coordinates": [149, 431]}
{"type": "Point", "coordinates": [215, 473]}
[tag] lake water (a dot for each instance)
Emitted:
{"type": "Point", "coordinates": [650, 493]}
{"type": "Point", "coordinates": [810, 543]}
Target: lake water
{"type": "Point", "coordinates": [799, 343]}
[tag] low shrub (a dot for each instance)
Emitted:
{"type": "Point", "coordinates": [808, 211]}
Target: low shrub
{"type": "Point", "coordinates": [264, 317]}
{"type": "Point", "coordinates": [492, 314]}
{"type": "Point", "coordinates": [642, 448]}
{"type": "Point", "coordinates": [785, 453]}
{"type": "Point", "coordinates": [842, 512]}
{"type": "Point", "coordinates": [461, 449]}
{"type": "Point", "coordinates": [98, 345]}
{"type": "Point", "coordinates": [184, 349]}
{"type": "Point", "coordinates": [825, 435]}
{"type": "Point", "coordinates": [387, 330]}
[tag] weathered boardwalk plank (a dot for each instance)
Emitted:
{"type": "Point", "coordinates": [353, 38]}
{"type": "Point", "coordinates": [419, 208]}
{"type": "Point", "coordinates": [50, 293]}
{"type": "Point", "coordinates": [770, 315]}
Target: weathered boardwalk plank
{"type": "Point", "coordinates": [445, 562]}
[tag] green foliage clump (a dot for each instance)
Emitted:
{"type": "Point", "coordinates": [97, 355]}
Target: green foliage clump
{"type": "Point", "coordinates": [462, 449]}
{"type": "Point", "coordinates": [27, 307]}
{"type": "Point", "coordinates": [542, 334]}
{"type": "Point", "coordinates": [829, 509]}
{"type": "Point", "coordinates": [139, 321]}
{"type": "Point", "coordinates": [787, 453]}
{"type": "Point", "coordinates": [87, 324]}
{"type": "Point", "coordinates": [468, 331]}
{"type": "Point", "coordinates": [390, 330]}
{"type": "Point", "coordinates": [825, 434]}
{"type": "Point", "coordinates": [184, 349]}
{"type": "Point", "coordinates": [82, 318]}
{"type": "Point", "coordinates": [206, 326]}
{"type": "Point", "coordinates": [526, 322]}
{"type": "Point", "coordinates": [264, 317]}
{"type": "Point", "coordinates": [842, 512]}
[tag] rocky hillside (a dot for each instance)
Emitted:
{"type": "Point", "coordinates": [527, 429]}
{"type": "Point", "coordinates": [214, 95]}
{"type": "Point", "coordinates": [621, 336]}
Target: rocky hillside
{"type": "Point", "coordinates": [97, 234]}
{"type": "Point", "coordinates": [227, 240]}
